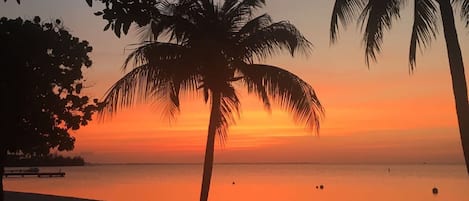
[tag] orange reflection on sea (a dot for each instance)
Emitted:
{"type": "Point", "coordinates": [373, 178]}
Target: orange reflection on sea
{"type": "Point", "coordinates": [253, 182]}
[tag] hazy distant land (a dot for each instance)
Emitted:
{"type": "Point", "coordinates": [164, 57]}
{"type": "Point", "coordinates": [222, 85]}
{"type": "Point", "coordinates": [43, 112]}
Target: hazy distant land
{"type": "Point", "coordinates": [47, 160]}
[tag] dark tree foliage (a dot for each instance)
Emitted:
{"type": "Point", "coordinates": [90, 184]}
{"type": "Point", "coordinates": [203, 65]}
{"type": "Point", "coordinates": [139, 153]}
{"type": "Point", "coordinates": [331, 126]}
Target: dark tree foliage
{"type": "Point", "coordinates": [120, 14]}
{"type": "Point", "coordinates": [41, 82]}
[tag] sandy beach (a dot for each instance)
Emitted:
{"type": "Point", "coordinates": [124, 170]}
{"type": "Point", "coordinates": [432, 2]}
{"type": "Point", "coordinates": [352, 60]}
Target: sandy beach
{"type": "Point", "coordinates": [21, 196]}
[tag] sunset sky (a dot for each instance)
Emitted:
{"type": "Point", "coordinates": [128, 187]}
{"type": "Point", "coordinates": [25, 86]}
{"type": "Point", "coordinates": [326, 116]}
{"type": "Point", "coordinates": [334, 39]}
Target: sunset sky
{"type": "Point", "coordinates": [380, 114]}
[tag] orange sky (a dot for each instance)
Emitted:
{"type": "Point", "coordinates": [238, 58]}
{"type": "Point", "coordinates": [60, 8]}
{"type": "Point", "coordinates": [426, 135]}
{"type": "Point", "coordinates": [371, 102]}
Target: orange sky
{"type": "Point", "coordinates": [380, 114]}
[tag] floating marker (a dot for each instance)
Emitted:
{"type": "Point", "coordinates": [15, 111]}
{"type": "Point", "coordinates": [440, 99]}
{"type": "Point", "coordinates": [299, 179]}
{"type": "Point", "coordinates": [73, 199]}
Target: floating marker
{"type": "Point", "coordinates": [435, 190]}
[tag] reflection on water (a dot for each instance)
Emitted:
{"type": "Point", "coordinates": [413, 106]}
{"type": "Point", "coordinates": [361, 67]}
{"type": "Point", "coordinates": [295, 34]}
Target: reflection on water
{"type": "Point", "coordinates": [273, 182]}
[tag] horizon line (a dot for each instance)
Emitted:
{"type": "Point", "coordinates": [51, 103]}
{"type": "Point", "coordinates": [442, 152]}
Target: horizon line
{"type": "Point", "coordinates": [276, 163]}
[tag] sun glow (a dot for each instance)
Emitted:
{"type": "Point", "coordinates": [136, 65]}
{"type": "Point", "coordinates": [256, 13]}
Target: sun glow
{"type": "Point", "coordinates": [380, 104]}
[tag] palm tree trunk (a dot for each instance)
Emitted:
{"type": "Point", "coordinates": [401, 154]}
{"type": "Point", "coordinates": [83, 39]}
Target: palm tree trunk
{"type": "Point", "coordinates": [2, 171]}
{"type": "Point", "coordinates": [209, 149]}
{"type": "Point", "coordinates": [458, 76]}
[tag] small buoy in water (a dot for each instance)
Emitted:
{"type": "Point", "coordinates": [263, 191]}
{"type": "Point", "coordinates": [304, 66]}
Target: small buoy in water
{"type": "Point", "coordinates": [233, 183]}
{"type": "Point", "coordinates": [435, 190]}
{"type": "Point", "coordinates": [321, 186]}
{"type": "Point", "coordinates": [317, 187]}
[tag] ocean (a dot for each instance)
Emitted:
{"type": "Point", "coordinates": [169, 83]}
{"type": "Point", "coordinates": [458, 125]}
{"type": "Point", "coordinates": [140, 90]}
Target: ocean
{"type": "Point", "coordinates": [254, 182]}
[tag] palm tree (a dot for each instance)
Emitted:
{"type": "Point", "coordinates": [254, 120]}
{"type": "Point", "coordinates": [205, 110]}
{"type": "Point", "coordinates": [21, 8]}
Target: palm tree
{"type": "Point", "coordinates": [376, 16]}
{"type": "Point", "coordinates": [207, 48]}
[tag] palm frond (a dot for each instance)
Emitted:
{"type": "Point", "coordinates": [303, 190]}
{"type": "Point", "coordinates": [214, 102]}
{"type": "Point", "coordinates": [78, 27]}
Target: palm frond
{"type": "Point", "coordinates": [187, 21]}
{"type": "Point", "coordinates": [378, 16]}
{"type": "Point", "coordinates": [159, 83]}
{"type": "Point", "coordinates": [344, 11]}
{"type": "Point", "coordinates": [208, 6]}
{"type": "Point", "coordinates": [229, 107]}
{"type": "Point", "coordinates": [241, 7]}
{"type": "Point", "coordinates": [256, 85]}
{"type": "Point", "coordinates": [285, 88]}
{"type": "Point", "coordinates": [157, 28]}
{"type": "Point", "coordinates": [174, 21]}
{"type": "Point", "coordinates": [152, 52]}
{"type": "Point", "coordinates": [424, 28]}
{"type": "Point", "coordinates": [181, 30]}
{"type": "Point", "coordinates": [232, 5]}
{"type": "Point", "coordinates": [255, 24]}
{"type": "Point", "coordinates": [158, 25]}
{"type": "Point", "coordinates": [464, 10]}
{"type": "Point", "coordinates": [267, 41]}
{"type": "Point", "coordinates": [134, 86]}
{"type": "Point", "coordinates": [228, 5]}
{"type": "Point", "coordinates": [237, 11]}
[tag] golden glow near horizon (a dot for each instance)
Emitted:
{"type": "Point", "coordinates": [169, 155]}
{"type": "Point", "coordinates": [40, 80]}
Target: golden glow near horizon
{"type": "Point", "coordinates": [380, 113]}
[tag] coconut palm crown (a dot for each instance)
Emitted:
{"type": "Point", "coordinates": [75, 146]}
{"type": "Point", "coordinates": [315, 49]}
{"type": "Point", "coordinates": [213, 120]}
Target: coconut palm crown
{"type": "Point", "coordinates": [206, 47]}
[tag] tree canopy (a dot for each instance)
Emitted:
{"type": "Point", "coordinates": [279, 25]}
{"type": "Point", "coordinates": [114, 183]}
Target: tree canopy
{"type": "Point", "coordinates": [205, 47]}
{"type": "Point", "coordinates": [209, 47]}
{"type": "Point", "coordinates": [41, 84]}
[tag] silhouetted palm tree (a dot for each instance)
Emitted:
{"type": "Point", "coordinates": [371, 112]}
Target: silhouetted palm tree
{"type": "Point", "coordinates": [207, 48]}
{"type": "Point", "coordinates": [376, 16]}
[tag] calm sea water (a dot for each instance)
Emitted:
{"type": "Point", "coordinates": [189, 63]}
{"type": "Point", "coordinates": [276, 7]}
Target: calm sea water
{"type": "Point", "coordinates": [270, 182]}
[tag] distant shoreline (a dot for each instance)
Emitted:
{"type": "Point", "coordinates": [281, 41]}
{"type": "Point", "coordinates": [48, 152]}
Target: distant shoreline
{"type": "Point", "coordinates": [22, 196]}
{"type": "Point", "coordinates": [43, 161]}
